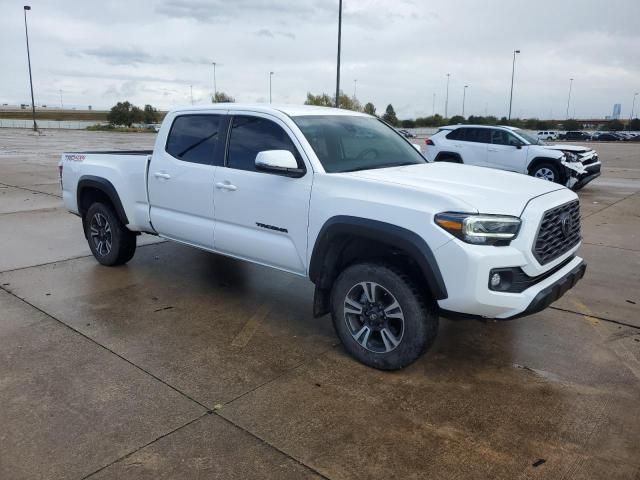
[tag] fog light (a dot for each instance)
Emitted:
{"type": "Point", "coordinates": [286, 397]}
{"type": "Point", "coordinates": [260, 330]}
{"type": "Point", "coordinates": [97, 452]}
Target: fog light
{"type": "Point", "coordinates": [495, 280]}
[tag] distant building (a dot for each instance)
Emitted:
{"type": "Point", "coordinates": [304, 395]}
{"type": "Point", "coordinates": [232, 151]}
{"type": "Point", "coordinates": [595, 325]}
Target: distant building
{"type": "Point", "coordinates": [617, 108]}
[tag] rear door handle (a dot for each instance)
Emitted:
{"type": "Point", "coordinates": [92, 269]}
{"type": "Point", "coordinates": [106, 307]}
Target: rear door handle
{"type": "Point", "coordinates": [494, 150]}
{"type": "Point", "coordinates": [164, 175]}
{"type": "Point", "coordinates": [226, 186]}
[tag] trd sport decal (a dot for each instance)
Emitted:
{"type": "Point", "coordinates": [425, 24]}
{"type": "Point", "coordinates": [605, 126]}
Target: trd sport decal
{"type": "Point", "coordinates": [272, 227]}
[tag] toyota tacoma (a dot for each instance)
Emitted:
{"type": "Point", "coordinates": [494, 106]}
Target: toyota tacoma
{"type": "Point", "coordinates": [391, 241]}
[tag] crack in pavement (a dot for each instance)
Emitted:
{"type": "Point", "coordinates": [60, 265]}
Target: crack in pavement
{"type": "Point", "coordinates": [32, 190]}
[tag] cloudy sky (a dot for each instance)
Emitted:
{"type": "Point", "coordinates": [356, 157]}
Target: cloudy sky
{"type": "Point", "coordinates": [152, 51]}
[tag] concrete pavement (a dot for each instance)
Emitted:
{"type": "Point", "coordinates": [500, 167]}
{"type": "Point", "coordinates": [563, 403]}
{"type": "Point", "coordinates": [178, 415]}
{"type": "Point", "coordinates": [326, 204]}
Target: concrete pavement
{"type": "Point", "coordinates": [186, 364]}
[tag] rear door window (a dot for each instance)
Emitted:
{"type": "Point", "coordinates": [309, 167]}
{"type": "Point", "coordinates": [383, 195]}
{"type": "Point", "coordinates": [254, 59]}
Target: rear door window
{"type": "Point", "coordinates": [195, 138]}
{"type": "Point", "coordinates": [478, 135]}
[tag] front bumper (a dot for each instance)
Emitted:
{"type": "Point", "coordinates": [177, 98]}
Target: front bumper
{"type": "Point", "coordinates": [466, 268]}
{"type": "Point", "coordinates": [578, 174]}
{"type": "Point", "coordinates": [553, 292]}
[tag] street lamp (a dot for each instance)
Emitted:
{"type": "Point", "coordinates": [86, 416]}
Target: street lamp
{"type": "Point", "coordinates": [355, 86]}
{"type": "Point", "coordinates": [633, 107]}
{"type": "Point", "coordinates": [513, 72]}
{"type": "Point", "coordinates": [215, 88]}
{"type": "Point", "coordinates": [464, 96]}
{"type": "Point", "coordinates": [338, 63]}
{"type": "Point", "coordinates": [569, 98]}
{"type": "Point", "coordinates": [270, 75]}
{"type": "Point", "coordinates": [26, 32]}
{"type": "Point", "coordinates": [446, 101]}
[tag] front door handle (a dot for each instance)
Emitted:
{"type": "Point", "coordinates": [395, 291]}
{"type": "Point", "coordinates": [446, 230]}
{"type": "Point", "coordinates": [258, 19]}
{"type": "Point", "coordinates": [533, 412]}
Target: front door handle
{"type": "Point", "coordinates": [164, 175]}
{"type": "Point", "coordinates": [226, 186]}
{"type": "Point", "coordinates": [494, 150]}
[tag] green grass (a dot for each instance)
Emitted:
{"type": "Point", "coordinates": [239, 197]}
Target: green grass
{"type": "Point", "coordinates": [61, 115]}
{"type": "Point", "coordinates": [111, 128]}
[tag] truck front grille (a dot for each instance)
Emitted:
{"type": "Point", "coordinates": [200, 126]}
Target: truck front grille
{"type": "Point", "coordinates": [558, 233]}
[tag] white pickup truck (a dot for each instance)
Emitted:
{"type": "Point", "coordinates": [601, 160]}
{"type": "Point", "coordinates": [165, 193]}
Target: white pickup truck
{"type": "Point", "coordinates": [390, 241]}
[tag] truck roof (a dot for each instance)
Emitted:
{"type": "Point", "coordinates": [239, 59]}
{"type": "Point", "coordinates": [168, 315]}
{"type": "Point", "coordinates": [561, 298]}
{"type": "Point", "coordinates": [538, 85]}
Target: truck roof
{"type": "Point", "coordinates": [290, 110]}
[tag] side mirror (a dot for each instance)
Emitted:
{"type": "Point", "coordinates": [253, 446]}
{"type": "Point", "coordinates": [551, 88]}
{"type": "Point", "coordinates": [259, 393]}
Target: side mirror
{"type": "Point", "coordinates": [281, 162]}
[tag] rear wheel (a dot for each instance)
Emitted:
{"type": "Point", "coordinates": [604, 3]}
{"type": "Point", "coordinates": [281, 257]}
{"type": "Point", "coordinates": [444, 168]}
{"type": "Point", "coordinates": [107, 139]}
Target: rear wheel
{"type": "Point", "coordinates": [109, 240]}
{"type": "Point", "coordinates": [546, 171]}
{"type": "Point", "coordinates": [449, 158]}
{"type": "Point", "coordinates": [381, 317]}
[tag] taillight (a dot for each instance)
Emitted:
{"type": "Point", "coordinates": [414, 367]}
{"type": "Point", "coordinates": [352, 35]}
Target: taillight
{"type": "Point", "coordinates": [428, 141]}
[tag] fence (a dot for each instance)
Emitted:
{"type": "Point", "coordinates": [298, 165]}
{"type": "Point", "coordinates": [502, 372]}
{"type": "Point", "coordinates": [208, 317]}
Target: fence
{"type": "Point", "coordinates": [67, 124]}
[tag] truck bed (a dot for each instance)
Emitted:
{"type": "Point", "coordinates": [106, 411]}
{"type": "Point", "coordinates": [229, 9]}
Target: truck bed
{"type": "Point", "coordinates": [114, 152]}
{"type": "Point", "coordinates": [124, 170]}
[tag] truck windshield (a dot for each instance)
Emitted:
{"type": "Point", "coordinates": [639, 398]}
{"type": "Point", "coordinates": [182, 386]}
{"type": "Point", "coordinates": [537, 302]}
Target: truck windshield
{"type": "Point", "coordinates": [349, 143]}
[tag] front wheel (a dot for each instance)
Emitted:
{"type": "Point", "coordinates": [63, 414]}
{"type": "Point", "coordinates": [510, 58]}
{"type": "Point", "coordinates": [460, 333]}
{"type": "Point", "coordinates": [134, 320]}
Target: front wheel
{"type": "Point", "coordinates": [110, 241]}
{"type": "Point", "coordinates": [546, 171]}
{"type": "Point", "coordinates": [381, 317]}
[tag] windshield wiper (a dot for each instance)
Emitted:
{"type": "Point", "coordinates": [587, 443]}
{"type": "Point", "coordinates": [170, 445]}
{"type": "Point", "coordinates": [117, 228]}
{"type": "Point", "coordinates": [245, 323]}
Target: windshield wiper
{"type": "Point", "coordinates": [376, 167]}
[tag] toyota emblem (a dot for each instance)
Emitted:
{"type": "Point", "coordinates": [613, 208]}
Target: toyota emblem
{"type": "Point", "coordinates": [565, 224]}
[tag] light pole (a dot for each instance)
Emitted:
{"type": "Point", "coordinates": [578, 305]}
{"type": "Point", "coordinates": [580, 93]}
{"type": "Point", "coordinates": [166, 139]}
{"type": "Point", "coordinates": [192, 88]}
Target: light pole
{"type": "Point", "coordinates": [191, 87]}
{"type": "Point", "coordinates": [355, 86]}
{"type": "Point", "coordinates": [464, 96]}
{"type": "Point", "coordinates": [446, 101]}
{"type": "Point", "coordinates": [569, 98]}
{"type": "Point", "coordinates": [270, 75]}
{"type": "Point", "coordinates": [633, 107]}
{"type": "Point", "coordinates": [61, 104]}
{"type": "Point", "coordinates": [513, 72]}
{"type": "Point", "coordinates": [433, 105]}
{"type": "Point", "coordinates": [339, 45]}
{"type": "Point", "coordinates": [215, 87]}
{"type": "Point", "coordinates": [26, 32]}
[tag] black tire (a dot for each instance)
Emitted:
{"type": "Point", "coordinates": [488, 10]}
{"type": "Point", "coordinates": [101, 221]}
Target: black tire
{"type": "Point", "coordinates": [546, 171]}
{"type": "Point", "coordinates": [448, 158]}
{"type": "Point", "coordinates": [419, 319]}
{"type": "Point", "coordinates": [118, 242]}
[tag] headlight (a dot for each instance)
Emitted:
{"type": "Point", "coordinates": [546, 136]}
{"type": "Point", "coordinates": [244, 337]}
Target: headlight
{"type": "Point", "coordinates": [571, 157]}
{"type": "Point", "coordinates": [480, 229]}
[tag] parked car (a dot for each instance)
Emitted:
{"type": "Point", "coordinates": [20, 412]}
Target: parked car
{"type": "Point", "coordinates": [607, 137]}
{"type": "Point", "coordinates": [390, 241]}
{"type": "Point", "coordinates": [407, 133]}
{"type": "Point", "coordinates": [547, 135]}
{"type": "Point", "coordinates": [574, 136]}
{"type": "Point", "coordinates": [512, 149]}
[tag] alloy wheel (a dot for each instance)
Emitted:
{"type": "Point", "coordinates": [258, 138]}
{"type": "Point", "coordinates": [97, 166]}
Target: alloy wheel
{"type": "Point", "coordinates": [374, 317]}
{"type": "Point", "coordinates": [101, 236]}
{"type": "Point", "coordinates": [545, 174]}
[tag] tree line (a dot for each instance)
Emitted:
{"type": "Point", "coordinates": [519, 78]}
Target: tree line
{"type": "Point", "coordinates": [125, 113]}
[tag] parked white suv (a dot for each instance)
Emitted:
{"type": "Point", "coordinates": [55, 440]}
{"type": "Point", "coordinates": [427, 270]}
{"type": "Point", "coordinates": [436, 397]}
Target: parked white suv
{"type": "Point", "coordinates": [512, 149]}
{"type": "Point", "coordinates": [390, 241]}
{"type": "Point", "coordinates": [547, 135]}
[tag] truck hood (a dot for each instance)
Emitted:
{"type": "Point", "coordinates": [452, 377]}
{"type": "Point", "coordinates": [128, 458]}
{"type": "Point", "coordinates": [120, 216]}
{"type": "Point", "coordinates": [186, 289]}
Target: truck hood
{"type": "Point", "coordinates": [484, 190]}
